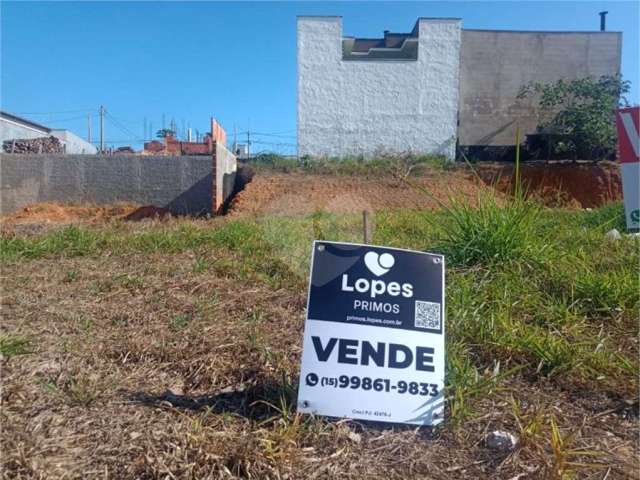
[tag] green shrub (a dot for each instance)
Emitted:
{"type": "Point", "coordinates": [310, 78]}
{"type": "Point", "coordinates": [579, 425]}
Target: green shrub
{"type": "Point", "coordinates": [581, 113]}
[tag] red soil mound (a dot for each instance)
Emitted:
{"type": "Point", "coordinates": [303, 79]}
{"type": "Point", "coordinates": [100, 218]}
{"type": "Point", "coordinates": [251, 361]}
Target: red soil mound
{"type": "Point", "coordinates": [56, 213]}
{"type": "Point", "coordinates": [148, 211]}
{"type": "Point", "coordinates": [581, 184]}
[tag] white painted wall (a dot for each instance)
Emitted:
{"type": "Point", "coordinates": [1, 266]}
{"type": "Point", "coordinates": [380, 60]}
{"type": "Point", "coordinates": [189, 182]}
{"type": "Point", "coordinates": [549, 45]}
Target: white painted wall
{"type": "Point", "coordinates": [360, 107]}
{"type": "Point", "coordinates": [73, 143]}
{"type": "Point", "coordinates": [10, 130]}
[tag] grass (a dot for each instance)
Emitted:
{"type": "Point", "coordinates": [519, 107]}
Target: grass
{"type": "Point", "coordinates": [490, 233]}
{"type": "Point", "coordinates": [179, 322]}
{"type": "Point", "coordinates": [380, 164]}
{"type": "Point", "coordinates": [14, 345]}
{"type": "Point", "coordinates": [516, 293]}
{"type": "Point", "coordinates": [607, 217]}
{"type": "Point", "coordinates": [541, 316]}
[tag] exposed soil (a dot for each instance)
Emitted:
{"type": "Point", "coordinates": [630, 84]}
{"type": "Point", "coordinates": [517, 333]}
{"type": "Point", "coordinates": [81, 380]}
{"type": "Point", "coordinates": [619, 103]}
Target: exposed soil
{"type": "Point", "coordinates": [580, 184]}
{"type": "Point", "coordinates": [61, 214]}
{"type": "Point", "coordinates": [148, 211]}
{"type": "Point", "coordinates": [302, 193]}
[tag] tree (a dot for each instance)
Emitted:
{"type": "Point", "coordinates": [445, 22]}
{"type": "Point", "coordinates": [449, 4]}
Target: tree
{"type": "Point", "coordinates": [580, 114]}
{"type": "Point", "coordinates": [164, 132]}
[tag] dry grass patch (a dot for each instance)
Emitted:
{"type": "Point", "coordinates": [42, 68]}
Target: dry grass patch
{"type": "Point", "coordinates": [171, 350]}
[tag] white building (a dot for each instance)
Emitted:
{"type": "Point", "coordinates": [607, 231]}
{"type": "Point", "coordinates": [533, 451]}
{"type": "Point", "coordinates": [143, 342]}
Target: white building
{"type": "Point", "coordinates": [362, 96]}
{"type": "Point", "coordinates": [438, 85]}
{"type": "Point", "coordinates": [13, 127]}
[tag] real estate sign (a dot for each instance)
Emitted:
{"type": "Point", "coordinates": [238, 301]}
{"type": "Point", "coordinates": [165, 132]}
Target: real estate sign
{"type": "Point", "coordinates": [374, 335]}
{"type": "Point", "coordinates": [628, 123]}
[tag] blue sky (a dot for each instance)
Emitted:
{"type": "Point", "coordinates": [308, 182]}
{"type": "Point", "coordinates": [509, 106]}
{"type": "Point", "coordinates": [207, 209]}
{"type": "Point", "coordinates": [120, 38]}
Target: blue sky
{"type": "Point", "coordinates": [233, 60]}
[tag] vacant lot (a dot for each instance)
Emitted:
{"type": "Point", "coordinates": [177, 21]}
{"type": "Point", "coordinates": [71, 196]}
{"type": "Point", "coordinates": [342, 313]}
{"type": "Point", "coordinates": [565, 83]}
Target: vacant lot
{"type": "Point", "coordinates": [303, 193]}
{"type": "Point", "coordinates": [170, 349]}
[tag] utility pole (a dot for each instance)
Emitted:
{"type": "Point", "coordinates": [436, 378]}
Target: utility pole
{"type": "Point", "coordinates": [248, 139]}
{"type": "Point", "coordinates": [101, 129]}
{"type": "Point", "coordinates": [144, 135]}
{"type": "Point", "coordinates": [89, 127]}
{"type": "Point", "coordinates": [235, 140]}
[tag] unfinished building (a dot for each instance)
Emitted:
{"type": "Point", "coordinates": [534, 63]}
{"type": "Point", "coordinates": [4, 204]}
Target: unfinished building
{"type": "Point", "coordinates": [433, 88]}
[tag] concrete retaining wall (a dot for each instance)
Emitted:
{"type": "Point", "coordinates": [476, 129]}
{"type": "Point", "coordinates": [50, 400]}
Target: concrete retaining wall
{"type": "Point", "coordinates": [182, 184]}
{"type": "Point", "coordinates": [224, 168]}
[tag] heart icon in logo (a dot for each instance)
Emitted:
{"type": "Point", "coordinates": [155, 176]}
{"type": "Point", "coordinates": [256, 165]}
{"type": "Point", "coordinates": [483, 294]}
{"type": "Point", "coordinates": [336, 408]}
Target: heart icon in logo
{"type": "Point", "coordinates": [379, 264]}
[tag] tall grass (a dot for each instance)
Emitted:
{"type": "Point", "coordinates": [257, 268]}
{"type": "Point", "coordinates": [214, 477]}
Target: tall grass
{"type": "Point", "coordinates": [489, 232]}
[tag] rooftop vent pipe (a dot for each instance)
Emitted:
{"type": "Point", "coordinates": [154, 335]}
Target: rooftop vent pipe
{"type": "Point", "coordinates": [603, 21]}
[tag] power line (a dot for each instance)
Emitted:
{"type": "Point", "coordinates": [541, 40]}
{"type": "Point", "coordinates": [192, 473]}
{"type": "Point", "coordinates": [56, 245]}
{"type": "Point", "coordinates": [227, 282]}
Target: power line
{"type": "Point", "coordinates": [280, 144]}
{"type": "Point", "coordinates": [72, 118]}
{"type": "Point", "coordinates": [269, 134]}
{"type": "Point", "coordinates": [56, 113]}
{"type": "Point", "coordinates": [121, 127]}
{"type": "Point", "coordinates": [132, 140]}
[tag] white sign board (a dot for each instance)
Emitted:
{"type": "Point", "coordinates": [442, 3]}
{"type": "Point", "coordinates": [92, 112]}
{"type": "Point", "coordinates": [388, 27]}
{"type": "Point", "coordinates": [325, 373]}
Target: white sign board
{"type": "Point", "coordinates": [628, 122]}
{"type": "Point", "coordinates": [374, 335]}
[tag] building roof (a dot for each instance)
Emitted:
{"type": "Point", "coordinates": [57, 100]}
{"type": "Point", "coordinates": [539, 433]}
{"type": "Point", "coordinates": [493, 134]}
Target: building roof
{"type": "Point", "coordinates": [392, 46]}
{"type": "Point", "coordinates": [23, 121]}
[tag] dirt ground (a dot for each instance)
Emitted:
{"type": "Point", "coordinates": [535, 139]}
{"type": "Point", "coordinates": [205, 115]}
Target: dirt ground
{"type": "Point", "coordinates": [300, 193]}
{"type": "Point", "coordinates": [43, 213]}
{"type": "Point", "coordinates": [286, 194]}
{"type": "Point", "coordinates": [577, 184]}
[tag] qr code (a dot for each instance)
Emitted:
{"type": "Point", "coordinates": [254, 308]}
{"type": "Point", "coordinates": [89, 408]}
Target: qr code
{"type": "Point", "coordinates": [427, 315]}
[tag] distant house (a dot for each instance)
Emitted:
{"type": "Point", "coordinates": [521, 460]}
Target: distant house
{"type": "Point", "coordinates": [170, 145]}
{"type": "Point", "coordinates": [13, 127]}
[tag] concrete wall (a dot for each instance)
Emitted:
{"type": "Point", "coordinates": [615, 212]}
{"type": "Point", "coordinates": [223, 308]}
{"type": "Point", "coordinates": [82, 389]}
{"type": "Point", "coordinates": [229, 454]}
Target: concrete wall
{"type": "Point", "coordinates": [351, 108]}
{"type": "Point", "coordinates": [495, 64]}
{"type": "Point", "coordinates": [224, 169]}
{"type": "Point", "coordinates": [181, 184]}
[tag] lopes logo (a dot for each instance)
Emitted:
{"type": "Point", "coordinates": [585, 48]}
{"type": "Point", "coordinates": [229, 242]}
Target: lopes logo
{"type": "Point", "coordinates": [378, 265]}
